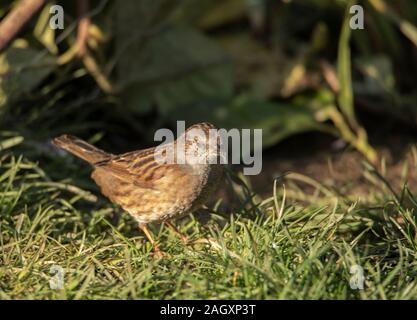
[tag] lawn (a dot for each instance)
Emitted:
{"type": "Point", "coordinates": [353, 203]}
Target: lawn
{"type": "Point", "coordinates": [299, 243]}
{"type": "Point", "coordinates": [332, 215]}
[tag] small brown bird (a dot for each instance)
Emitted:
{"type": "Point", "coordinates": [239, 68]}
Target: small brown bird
{"type": "Point", "coordinates": [149, 186]}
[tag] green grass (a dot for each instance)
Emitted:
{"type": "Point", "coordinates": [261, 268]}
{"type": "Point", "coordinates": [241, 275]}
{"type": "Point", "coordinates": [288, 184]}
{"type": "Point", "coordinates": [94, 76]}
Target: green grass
{"type": "Point", "coordinates": [276, 248]}
{"type": "Point", "coordinates": [298, 244]}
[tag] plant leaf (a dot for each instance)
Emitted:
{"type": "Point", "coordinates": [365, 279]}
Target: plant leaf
{"type": "Point", "coordinates": [277, 120]}
{"type": "Point", "coordinates": [21, 70]}
{"type": "Point", "coordinates": [178, 67]}
{"type": "Point", "coordinates": [344, 73]}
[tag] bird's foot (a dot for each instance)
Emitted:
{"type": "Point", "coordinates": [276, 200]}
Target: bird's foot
{"type": "Point", "coordinates": [158, 253]}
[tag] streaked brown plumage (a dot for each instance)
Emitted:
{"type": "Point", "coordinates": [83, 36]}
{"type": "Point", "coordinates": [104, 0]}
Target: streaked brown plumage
{"type": "Point", "coordinates": [145, 188]}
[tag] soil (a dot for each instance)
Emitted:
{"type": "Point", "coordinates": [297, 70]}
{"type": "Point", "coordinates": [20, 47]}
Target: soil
{"type": "Point", "coordinates": [331, 162]}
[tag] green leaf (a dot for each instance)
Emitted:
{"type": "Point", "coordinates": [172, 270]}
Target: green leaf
{"type": "Point", "coordinates": [43, 32]}
{"type": "Point", "coordinates": [344, 72]}
{"type": "Point", "coordinates": [10, 142]}
{"type": "Point", "coordinates": [378, 75]}
{"type": "Point", "coordinates": [178, 67]}
{"type": "Point", "coordinates": [21, 70]}
{"type": "Point", "coordinates": [260, 70]}
{"type": "Point", "coordinates": [208, 14]}
{"type": "Point", "coordinates": [407, 28]}
{"type": "Point", "coordinates": [136, 19]}
{"type": "Point", "coordinates": [277, 120]}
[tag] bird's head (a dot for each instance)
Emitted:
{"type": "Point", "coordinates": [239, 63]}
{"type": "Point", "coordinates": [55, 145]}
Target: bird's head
{"type": "Point", "coordinates": [202, 144]}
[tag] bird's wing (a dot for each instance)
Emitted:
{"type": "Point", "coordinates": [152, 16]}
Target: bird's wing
{"type": "Point", "coordinates": [137, 167]}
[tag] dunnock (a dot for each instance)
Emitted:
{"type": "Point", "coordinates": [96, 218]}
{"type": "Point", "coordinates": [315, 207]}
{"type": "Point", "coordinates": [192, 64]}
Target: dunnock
{"type": "Point", "coordinates": [148, 186]}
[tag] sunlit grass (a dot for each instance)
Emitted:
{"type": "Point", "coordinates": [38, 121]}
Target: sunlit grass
{"type": "Point", "coordinates": [277, 248]}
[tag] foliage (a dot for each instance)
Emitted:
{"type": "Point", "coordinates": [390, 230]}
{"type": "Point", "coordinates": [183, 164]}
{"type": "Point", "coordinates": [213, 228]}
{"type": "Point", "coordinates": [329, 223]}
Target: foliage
{"type": "Point", "coordinates": [186, 60]}
{"type": "Point", "coordinates": [241, 64]}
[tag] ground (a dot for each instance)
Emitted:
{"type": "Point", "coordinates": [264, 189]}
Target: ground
{"type": "Point", "coordinates": [297, 240]}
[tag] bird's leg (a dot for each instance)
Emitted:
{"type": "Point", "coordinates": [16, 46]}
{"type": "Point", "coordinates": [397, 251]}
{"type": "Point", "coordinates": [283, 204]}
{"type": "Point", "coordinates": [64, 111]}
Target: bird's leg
{"type": "Point", "coordinates": [148, 234]}
{"type": "Point", "coordinates": [183, 237]}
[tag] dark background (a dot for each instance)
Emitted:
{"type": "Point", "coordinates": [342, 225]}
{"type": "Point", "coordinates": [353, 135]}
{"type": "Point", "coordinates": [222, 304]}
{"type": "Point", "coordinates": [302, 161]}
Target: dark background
{"type": "Point", "coordinates": [320, 91]}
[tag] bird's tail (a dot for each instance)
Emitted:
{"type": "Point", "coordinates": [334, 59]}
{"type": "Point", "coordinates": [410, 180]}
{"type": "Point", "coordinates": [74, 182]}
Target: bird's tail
{"type": "Point", "coordinates": [80, 148]}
